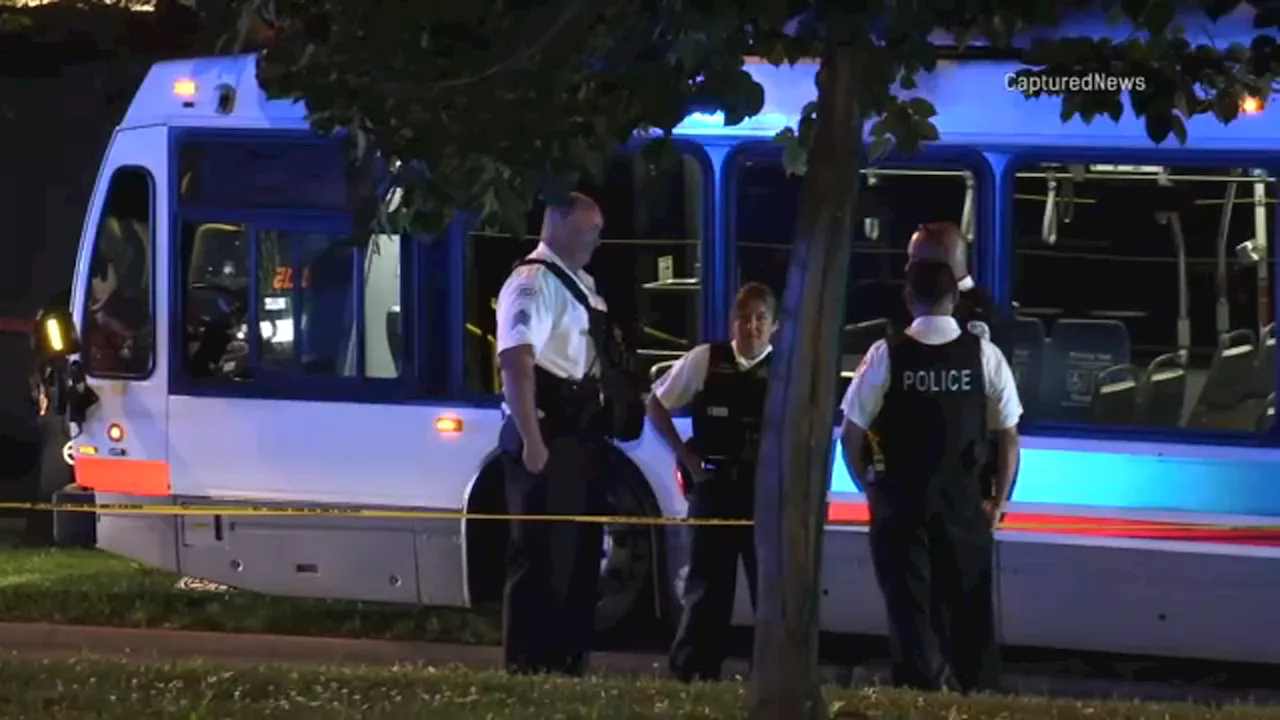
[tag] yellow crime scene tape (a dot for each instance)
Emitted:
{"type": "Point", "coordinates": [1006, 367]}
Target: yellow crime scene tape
{"type": "Point", "coordinates": [242, 511]}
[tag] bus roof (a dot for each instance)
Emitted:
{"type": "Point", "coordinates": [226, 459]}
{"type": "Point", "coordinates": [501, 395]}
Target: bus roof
{"type": "Point", "coordinates": [975, 104]}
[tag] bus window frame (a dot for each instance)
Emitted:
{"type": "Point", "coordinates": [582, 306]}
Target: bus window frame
{"type": "Point", "coordinates": [152, 274]}
{"type": "Point", "coordinates": [413, 384]}
{"type": "Point", "coordinates": [709, 275]}
{"type": "Point", "coordinates": [1003, 292]}
{"type": "Point", "coordinates": [934, 157]}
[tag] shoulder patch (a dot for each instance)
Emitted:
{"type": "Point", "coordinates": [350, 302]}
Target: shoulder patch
{"type": "Point", "coordinates": [979, 328]}
{"type": "Point", "coordinates": [528, 292]}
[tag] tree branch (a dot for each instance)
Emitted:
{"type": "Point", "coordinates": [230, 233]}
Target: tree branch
{"type": "Point", "coordinates": [560, 19]}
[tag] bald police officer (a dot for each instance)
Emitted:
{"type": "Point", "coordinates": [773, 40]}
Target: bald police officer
{"type": "Point", "coordinates": [551, 328]}
{"type": "Point", "coordinates": [933, 392]}
{"type": "Point", "coordinates": [975, 309]}
{"type": "Point", "coordinates": [726, 383]}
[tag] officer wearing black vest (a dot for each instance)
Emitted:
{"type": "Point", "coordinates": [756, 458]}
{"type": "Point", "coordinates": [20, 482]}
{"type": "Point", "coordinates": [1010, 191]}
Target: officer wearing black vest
{"type": "Point", "coordinates": [975, 308]}
{"type": "Point", "coordinates": [726, 385]}
{"type": "Point", "coordinates": [568, 390]}
{"type": "Point", "coordinates": [934, 392]}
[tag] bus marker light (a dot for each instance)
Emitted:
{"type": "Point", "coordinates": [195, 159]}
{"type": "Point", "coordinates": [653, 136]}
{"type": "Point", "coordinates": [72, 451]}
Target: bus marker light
{"type": "Point", "coordinates": [448, 425]}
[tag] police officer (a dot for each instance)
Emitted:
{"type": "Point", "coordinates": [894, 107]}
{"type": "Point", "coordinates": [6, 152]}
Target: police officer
{"type": "Point", "coordinates": [933, 392]}
{"type": "Point", "coordinates": [726, 385]}
{"type": "Point", "coordinates": [549, 328]}
{"type": "Point", "coordinates": [975, 309]}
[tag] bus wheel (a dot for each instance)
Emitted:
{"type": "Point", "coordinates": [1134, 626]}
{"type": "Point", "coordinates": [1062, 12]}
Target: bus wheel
{"type": "Point", "coordinates": [627, 559]}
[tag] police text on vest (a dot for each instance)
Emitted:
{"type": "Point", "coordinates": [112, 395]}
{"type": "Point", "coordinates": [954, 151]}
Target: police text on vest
{"type": "Point", "coordinates": [937, 381]}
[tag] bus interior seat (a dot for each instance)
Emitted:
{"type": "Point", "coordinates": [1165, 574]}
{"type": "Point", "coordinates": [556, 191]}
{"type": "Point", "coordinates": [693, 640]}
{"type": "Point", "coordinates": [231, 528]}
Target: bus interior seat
{"type": "Point", "coordinates": [1267, 418]}
{"type": "Point", "coordinates": [1221, 404]}
{"type": "Point", "coordinates": [1027, 344]}
{"type": "Point", "coordinates": [857, 339]}
{"type": "Point", "coordinates": [395, 337]}
{"type": "Point", "coordinates": [1263, 377]}
{"type": "Point", "coordinates": [1115, 395]}
{"type": "Point", "coordinates": [1078, 350]}
{"type": "Point", "coordinates": [658, 369]}
{"type": "Point", "coordinates": [1163, 392]}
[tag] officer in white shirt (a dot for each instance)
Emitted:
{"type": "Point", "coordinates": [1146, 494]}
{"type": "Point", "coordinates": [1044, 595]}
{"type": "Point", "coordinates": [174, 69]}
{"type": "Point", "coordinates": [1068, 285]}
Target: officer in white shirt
{"type": "Point", "coordinates": [552, 442]}
{"type": "Point", "coordinates": [726, 383]}
{"type": "Point", "coordinates": [932, 393]}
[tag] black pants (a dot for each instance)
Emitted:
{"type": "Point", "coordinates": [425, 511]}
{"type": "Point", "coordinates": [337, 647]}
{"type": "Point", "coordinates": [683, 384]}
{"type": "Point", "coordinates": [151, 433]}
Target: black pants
{"type": "Point", "coordinates": [702, 640]}
{"type": "Point", "coordinates": [553, 568]}
{"type": "Point", "coordinates": [935, 572]}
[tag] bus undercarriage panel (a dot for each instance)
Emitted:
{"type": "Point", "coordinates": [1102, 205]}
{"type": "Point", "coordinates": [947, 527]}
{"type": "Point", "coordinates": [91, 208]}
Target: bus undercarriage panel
{"type": "Point", "coordinates": [409, 561]}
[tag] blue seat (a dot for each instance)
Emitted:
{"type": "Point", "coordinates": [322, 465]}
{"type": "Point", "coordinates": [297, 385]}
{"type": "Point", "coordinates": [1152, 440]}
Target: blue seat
{"type": "Point", "coordinates": [1075, 354]}
{"type": "Point", "coordinates": [1263, 377]}
{"type": "Point", "coordinates": [859, 337]}
{"type": "Point", "coordinates": [1115, 396]}
{"type": "Point", "coordinates": [1026, 343]}
{"type": "Point", "coordinates": [1222, 402]}
{"type": "Point", "coordinates": [1163, 393]}
{"type": "Point", "coordinates": [1267, 418]}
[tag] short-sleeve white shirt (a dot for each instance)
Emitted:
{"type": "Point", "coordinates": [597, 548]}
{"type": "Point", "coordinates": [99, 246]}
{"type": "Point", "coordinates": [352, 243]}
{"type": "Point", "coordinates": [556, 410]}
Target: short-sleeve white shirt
{"type": "Point", "coordinates": [865, 396]}
{"type": "Point", "coordinates": [685, 379]}
{"type": "Point", "coordinates": [536, 309]}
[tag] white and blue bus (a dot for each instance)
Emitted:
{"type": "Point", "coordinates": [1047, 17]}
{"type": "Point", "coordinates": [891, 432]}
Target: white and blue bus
{"type": "Point", "coordinates": [244, 351]}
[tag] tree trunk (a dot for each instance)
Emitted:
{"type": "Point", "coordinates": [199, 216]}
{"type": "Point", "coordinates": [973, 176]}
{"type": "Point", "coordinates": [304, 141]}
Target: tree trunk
{"type": "Point", "coordinates": [795, 456]}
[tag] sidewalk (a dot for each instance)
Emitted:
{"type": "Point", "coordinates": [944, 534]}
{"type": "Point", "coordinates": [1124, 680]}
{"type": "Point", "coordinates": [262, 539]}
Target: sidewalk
{"type": "Point", "coordinates": [243, 650]}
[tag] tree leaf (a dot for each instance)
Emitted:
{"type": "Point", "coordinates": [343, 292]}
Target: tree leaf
{"type": "Point", "coordinates": [879, 148]}
{"type": "Point", "coordinates": [1179, 128]}
{"type": "Point", "coordinates": [1159, 125]}
{"type": "Point", "coordinates": [795, 156]}
{"type": "Point", "coordinates": [921, 108]}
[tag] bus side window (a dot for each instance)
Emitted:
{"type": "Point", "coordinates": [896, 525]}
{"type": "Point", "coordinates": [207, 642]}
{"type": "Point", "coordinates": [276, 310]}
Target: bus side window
{"type": "Point", "coordinates": [647, 268]}
{"type": "Point", "coordinates": [767, 206]}
{"type": "Point", "coordinates": [215, 305]}
{"type": "Point", "coordinates": [118, 319]}
{"type": "Point", "coordinates": [1121, 321]}
{"type": "Point", "coordinates": [310, 290]}
{"type": "Point", "coordinates": [307, 290]}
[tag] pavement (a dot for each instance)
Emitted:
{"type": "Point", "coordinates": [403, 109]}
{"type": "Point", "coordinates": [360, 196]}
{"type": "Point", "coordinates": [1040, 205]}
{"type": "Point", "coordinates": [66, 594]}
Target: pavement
{"type": "Point", "coordinates": [248, 650]}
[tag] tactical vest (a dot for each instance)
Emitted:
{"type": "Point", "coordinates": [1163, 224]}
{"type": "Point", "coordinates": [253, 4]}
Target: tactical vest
{"type": "Point", "coordinates": [610, 404]}
{"type": "Point", "coordinates": [933, 425]}
{"type": "Point", "coordinates": [728, 412]}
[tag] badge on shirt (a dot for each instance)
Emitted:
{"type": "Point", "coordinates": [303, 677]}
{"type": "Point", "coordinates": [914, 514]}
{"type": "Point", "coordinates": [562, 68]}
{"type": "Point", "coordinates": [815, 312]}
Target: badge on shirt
{"type": "Point", "coordinates": [979, 328]}
{"type": "Point", "coordinates": [529, 292]}
{"type": "Point", "coordinates": [521, 318]}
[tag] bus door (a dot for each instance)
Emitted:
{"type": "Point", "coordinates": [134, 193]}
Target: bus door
{"type": "Point", "coordinates": [121, 449]}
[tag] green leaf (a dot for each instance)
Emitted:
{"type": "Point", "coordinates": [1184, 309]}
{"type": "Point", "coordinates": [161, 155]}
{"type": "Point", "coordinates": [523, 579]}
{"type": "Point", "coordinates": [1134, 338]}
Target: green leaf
{"type": "Point", "coordinates": [1179, 127]}
{"type": "Point", "coordinates": [1159, 125]}
{"type": "Point", "coordinates": [795, 156]}
{"type": "Point", "coordinates": [925, 130]}
{"type": "Point", "coordinates": [1158, 15]}
{"type": "Point", "coordinates": [921, 108]}
{"type": "Point", "coordinates": [879, 148]}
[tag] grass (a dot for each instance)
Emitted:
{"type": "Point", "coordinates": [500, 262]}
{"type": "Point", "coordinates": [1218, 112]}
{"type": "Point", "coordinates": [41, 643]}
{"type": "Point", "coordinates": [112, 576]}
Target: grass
{"type": "Point", "coordinates": [89, 587]}
{"type": "Point", "coordinates": [107, 689]}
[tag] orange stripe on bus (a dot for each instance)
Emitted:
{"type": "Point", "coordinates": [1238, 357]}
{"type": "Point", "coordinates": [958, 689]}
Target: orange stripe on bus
{"type": "Point", "coordinates": [127, 477]}
{"type": "Point", "coordinates": [851, 513]}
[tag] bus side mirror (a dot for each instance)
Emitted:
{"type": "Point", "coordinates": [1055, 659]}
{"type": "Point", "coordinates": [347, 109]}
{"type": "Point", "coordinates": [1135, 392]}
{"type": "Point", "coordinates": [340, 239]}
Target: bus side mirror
{"type": "Point", "coordinates": [55, 335]}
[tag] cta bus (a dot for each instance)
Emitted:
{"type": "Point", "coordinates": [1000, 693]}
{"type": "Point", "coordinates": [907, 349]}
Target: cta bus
{"type": "Point", "coordinates": [244, 351]}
